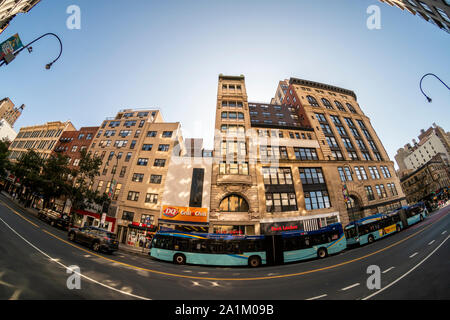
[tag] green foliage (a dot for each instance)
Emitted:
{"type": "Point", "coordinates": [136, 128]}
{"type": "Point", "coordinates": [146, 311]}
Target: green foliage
{"type": "Point", "coordinates": [4, 161]}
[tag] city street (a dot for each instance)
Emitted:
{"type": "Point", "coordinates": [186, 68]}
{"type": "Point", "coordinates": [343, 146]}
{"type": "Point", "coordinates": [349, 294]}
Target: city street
{"type": "Point", "coordinates": [34, 258]}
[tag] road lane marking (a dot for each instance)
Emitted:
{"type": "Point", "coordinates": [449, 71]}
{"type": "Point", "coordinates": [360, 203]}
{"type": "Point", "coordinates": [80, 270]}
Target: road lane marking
{"type": "Point", "coordinates": [68, 268]}
{"type": "Point", "coordinates": [349, 287]}
{"type": "Point", "coordinates": [15, 212]}
{"type": "Point", "coordinates": [413, 255]}
{"type": "Point", "coordinates": [444, 232]}
{"type": "Point", "coordinates": [255, 278]}
{"type": "Point", "coordinates": [318, 297]}
{"type": "Point", "coordinates": [387, 270]}
{"type": "Point", "coordinates": [431, 242]}
{"type": "Point", "coordinates": [415, 267]}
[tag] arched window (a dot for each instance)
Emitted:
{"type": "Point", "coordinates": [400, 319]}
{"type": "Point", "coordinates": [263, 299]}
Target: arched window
{"type": "Point", "coordinates": [312, 101]}
{"type": "Point", "coordinates": [350, 107]}
{"type": "Point", "coordinates": [339, 105]}
{"type": "Point", "coordinates": [327, 104]}
{"type": "Point", "coordinates": [233, 203]}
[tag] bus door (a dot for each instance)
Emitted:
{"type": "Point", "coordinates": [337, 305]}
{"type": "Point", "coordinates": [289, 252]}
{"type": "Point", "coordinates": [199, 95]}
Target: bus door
{"type": "Point", "coordinates": [403, 218]}
{"type": "Point", "coordinates": [274, 249]}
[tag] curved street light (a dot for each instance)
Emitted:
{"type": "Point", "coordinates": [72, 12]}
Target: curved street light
{"type": "Point", "coordinates": [431, 74]}
{"type": "Point", "coordinates": [30, 49]}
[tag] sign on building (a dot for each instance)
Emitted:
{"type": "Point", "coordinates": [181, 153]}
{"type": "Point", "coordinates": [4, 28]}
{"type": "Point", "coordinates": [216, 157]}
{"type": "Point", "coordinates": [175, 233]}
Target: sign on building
{"type": "Point", "coordinates": [9, 46]}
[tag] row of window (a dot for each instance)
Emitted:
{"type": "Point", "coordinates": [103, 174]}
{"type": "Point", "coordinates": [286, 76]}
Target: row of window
{"type": "Point", "coordinates": [346, 174]}
{"type": "Point", "coordinates": [381, 191]}
{"type": "Point", "coordinates": [40, 134]}
{"type": "Point", "coordinates": [127, 133]}
{"type": "Point", "coordinates": [312, 101]}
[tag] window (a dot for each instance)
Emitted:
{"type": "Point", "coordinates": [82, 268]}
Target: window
{"type": "Point", "coordinates": [159, 163]}
{"type": "Point", "coordinates": [151, 134]}
{"type": "Point", "coordinates": [392, 189]}
{"type": "Point", "coordinates": [127, 215]}
{"type": "Point", "coordinates": [317, 200]}
{"type": "Point", "coordinates": [74, 148]}
{"type": "Point", "coordinates": [233, 168]}
{"type": "Point", "coordinates": [133, 196]}
{"type": "Point", "coordinates": [156, 179]}
{"type": "Point", "coordinates": [147, 147]}
{"type": "Point", "coordinates": [385, 171]}
{"type": "Point", "coordinates": [196, 197]}
{"type": "Point", "coordinates": [142, 162]}
{"type": "Point", "coordinates": [125, 133]}
{"type": "Point", "coordinates": [369, 193]}
{"type": "Point", "coordinates": [312, 101]}
{"type": "Point", "coordinates": [277, 176]}
{"type": "Point", "coordinates": [163, 147]}
{"type": "Point", "coordinates": [122, 172]}
{"type": "Point", "coordinates": [138, 177]}
{"type": "Point", "coordinates": [350, 107]}
{"type": "Point", "coordinates": [311, 176]}
{"type": "Point", "coordinates": [361, 173]}
{"type": "Point", "coordinates": [133, 144]}
{"type": "Point", "coordinates": [281, 202]}
{"type": "Point", "coordinates": [327, 104]}
{"type": "Point", "coordinates": [305, 154]}
{"type": "Point", "coordinates": [234, 203]}
{"type": "Point", "coordinates": [339, 106]}
{"type": "Point", "coordinates": [151, 198]}
{"type": "Point", "coordinates": [374, 173]}
{"type": "Point", "coordinates": [345, 174]}
{"type": "Point", "coordinates": [128, 157]}
{"type": "Point", "coordinates": [167, 134]}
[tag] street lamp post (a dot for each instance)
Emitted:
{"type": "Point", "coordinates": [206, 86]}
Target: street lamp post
{"type": "Point", "coordinates": [431, 74]}
{"type": "Point", "coordinates": [30, 49]}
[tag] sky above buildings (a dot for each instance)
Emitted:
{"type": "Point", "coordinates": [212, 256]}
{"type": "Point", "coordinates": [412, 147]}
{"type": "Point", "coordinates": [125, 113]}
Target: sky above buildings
{"type": "Point", "coordinates": [168, 55]}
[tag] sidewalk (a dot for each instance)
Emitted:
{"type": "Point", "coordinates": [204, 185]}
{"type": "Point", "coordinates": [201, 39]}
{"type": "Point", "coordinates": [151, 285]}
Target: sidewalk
{"type": "Point", "coordinates": [135, 250]}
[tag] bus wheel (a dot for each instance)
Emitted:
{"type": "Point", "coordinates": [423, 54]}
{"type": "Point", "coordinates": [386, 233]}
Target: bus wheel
{"type": "Point", "coordinates": [254, 261]}
{"type": "Point", "coordinates": [179, 259]}
{"type": "Point", "coordinates": [322, 253]}
{"type": "Point", "coordinates": [371, 239]}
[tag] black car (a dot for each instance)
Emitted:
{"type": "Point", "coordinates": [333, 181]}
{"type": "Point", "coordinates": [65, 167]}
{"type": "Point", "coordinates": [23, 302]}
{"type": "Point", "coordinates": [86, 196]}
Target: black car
{"type": "Point", "coordinates": [55, 219]}
{"type": "Point", "coordinates": [96, 238]}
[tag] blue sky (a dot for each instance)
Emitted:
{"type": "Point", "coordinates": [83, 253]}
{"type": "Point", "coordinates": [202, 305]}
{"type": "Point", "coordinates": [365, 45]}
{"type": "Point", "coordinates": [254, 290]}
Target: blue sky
{"type": "Point", "coordinates": [168, 55]}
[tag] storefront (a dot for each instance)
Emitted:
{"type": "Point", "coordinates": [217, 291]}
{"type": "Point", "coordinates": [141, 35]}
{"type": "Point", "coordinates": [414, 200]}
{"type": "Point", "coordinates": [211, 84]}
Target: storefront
{"type": "Point", "coordinates": [81, 218]}
{"type": "Point", "coordinates": [234, 229]}
{"type": "Point", "coordinates": [139, 235]}
{"type": "Point", "coordinates": [306, 223]}
{"type": "Point", "coordinates": [184, 219]}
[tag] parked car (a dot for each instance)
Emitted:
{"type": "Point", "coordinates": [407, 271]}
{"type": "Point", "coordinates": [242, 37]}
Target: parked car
{"type": "Point", "coordinates": [96, 238]}
{"type": "Point", "coordinates": [55, 219]}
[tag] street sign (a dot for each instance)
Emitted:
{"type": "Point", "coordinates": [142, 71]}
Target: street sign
{"type": "Point", "coordinates": [9, 46]}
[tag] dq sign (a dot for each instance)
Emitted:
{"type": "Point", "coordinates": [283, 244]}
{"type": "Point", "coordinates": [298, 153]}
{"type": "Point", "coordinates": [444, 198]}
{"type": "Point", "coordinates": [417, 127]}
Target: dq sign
{"type": "Point", "coordinates": [184, 214]}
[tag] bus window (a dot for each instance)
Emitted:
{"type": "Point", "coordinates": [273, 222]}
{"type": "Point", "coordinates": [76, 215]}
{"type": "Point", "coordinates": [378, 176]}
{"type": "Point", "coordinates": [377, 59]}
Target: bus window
{"type": "Point", "coordinates": [181, 244]}
{"type": "Point", "coordinates": [292, 243]}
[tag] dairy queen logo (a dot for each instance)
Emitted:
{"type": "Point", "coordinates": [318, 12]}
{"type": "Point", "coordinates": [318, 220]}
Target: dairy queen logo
{"type": "Point", "coordinates": [170, 212]}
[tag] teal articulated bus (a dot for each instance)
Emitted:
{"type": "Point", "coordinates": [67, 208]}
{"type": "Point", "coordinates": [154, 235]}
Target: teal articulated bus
{"type": "Point", "coordinates": [253, 251]}
{"type": "Point", "coordinates": [378, 226]}
{"type": "Point", "coordinates": [372, 228]}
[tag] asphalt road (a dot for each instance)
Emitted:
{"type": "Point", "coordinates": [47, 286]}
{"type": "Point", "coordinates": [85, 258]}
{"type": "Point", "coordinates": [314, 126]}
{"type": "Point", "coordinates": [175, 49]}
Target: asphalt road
{"type": "Point", "coordinates": [34, 262]}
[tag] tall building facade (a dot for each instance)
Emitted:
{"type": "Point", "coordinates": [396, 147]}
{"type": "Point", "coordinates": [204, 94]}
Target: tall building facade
{"type": "Point", "coordinates": [72, 143]}
{"type": "Point", "coordinates": [312, 160]}
{"type": "Point", "coordinates": [40, 138]}
{"type": "Point", "coordinates": [136, 148]}
{"type": "Point", "coordinates": [436, 12]}
{"type": "Point", "coordinates": [9, 112]}
{"type": "Point", "coordinates": [431, 142]}
{"type": "Point", "coordinates": [10, 8]}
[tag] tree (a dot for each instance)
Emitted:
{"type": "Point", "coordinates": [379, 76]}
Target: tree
{"type": "Point", "coordinates": [55, 178]}
{"type": "Point", "coordinates": [4, 161]}
{"type": "Point", "coordinates": [81, 194]}
{"type": "Point", "coordinates": [28, 171]}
